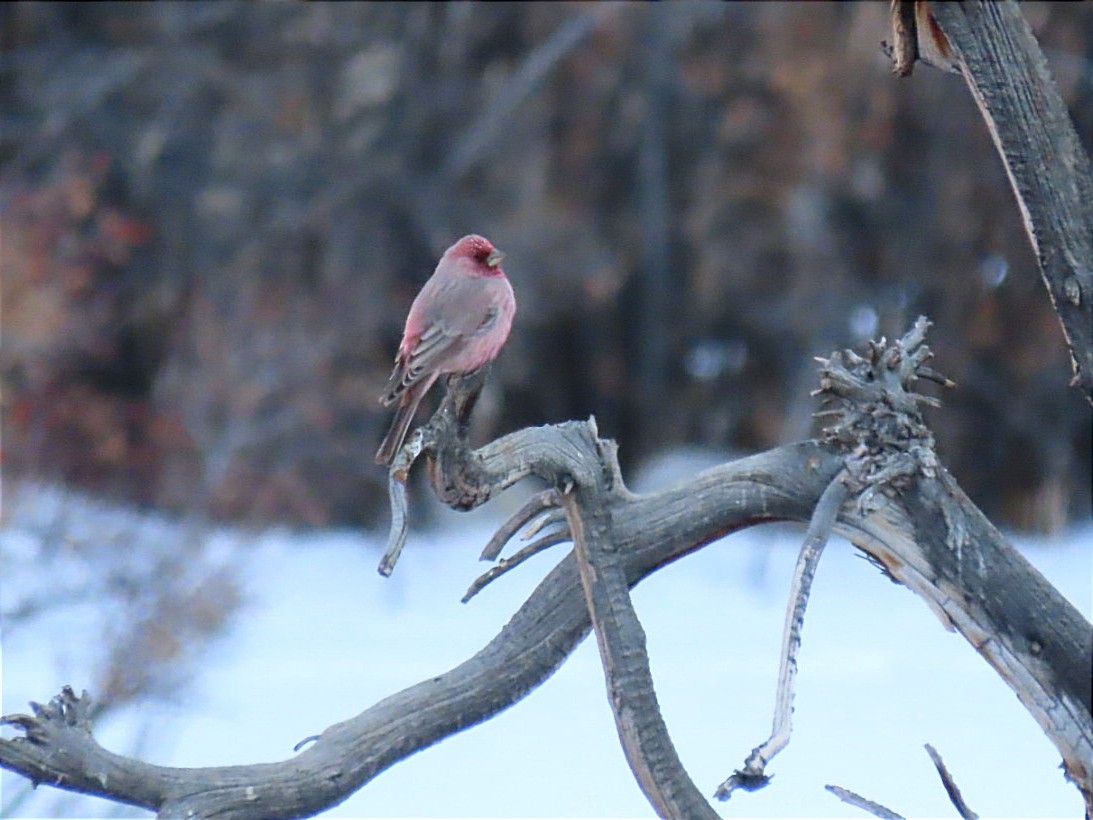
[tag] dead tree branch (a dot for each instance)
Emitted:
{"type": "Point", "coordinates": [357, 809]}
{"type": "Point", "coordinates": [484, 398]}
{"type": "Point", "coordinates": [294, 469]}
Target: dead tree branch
{"type": "Point", "coordinates": [917, 524]}
{"type": "Point", "coordinates": [621, 641]}
{"type": "Point", "coordinates": [1050, 173]}
{"type": "Point", "coordinates": [753, 776]}
{"type": "Point", "coordinates": [855, 799]}
{"type": "Point", "coordinates": [950, 785]}
{"type": "Point", "coordinates": [651, 531]}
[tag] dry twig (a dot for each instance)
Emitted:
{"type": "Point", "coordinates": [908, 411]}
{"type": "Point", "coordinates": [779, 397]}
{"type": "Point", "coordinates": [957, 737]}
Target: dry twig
{"type": "Point", "coordinates": [950, 785]}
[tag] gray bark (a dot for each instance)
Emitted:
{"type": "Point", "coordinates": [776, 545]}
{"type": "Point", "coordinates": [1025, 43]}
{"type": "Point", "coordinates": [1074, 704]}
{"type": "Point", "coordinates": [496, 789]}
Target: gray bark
{"type": "Point", "coordinates": [926, 535]}
{"type": "Point", "coordinates": [1052, 179]}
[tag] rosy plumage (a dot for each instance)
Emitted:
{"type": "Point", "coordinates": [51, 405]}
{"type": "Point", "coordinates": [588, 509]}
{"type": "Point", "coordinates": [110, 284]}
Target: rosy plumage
{"type": "Point", "coordinates": [458, 323]}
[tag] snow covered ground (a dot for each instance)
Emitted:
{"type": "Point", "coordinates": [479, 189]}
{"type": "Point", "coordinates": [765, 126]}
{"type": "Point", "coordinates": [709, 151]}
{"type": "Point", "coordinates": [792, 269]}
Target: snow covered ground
{"type": "Point", "coordinates": [322, 636]}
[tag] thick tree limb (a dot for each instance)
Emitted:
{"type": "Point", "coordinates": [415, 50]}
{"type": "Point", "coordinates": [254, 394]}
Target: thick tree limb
{"type": "Point", "coordinates": [918, 525]}
{"type": "Point", "coordinates": [780, 485]}
{"type": "Point", "coordinates": [621, 641]}
{"type": "Point", "coordinates": [1051, 175]}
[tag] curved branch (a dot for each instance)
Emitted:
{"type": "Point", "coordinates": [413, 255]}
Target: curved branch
{"type": "Point", "coordinates": [532, 515]}
{"type": "Point", "coordinates": [911, 518]}
{"type": "Point", "coordinates": [782, 484]}
{"type": "Point", "coordinates": [753, 776]}
{"type": "Point", "coordinates": [621, 640]}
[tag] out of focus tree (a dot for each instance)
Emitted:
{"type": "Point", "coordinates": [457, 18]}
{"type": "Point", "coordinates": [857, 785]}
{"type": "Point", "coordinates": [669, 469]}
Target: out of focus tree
{"type": "Point", "coordinates": [214, 217]}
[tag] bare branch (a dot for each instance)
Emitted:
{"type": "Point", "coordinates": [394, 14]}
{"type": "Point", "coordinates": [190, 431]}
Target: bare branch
{"type": "Point", "coordinates": [458, 404]}
{"type": "Point", "coordinates": [1048, 169]}
{"type": "Point", "coordinates": [903, 50]}
{"type": "Point", "coordinates": [651, 531]}
{"type": "Point", "coordinates": [925, 532]}
{"type": "Point", "coordinates": [520, 556]}
{"type": "Point", "coordinates": [396, 539]}
{"type": "Point", "coordinates": [621, 641]}
{"type": "Point", "coordinates": [753, 776]}
{"type": "Point", "coordinates": [854, 799]}
{"type": "Point", "coordinates": [533, 507]}
{"type": "Point", "coordinates": [950, 785]}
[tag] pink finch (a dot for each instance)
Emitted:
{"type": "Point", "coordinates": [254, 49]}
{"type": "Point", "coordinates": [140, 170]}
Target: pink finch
{"type": "Point", "coordinates": [457, 324]}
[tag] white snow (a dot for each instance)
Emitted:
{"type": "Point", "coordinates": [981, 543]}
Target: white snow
{"type": "Point", "coordinates": [322, 637]}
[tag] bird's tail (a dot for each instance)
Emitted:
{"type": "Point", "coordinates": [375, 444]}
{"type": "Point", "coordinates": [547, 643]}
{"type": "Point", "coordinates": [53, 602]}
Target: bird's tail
{"type": "Point", "coordinates": [396, 434]}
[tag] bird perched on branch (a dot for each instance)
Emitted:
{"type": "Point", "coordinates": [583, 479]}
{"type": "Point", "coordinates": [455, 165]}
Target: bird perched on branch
{"type": "Point", "coordinates": [457, 324]}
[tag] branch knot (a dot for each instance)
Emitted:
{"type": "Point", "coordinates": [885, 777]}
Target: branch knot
{"type": "Point", "coordinates": [879, 423]}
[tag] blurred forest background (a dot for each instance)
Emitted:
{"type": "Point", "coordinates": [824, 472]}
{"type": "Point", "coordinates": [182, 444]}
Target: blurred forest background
{"type": "Point", "coordinates": [215, 215]}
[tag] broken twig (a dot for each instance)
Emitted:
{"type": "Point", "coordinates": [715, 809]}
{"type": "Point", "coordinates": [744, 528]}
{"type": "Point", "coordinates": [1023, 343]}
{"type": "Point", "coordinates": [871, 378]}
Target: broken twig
{"type": "Point", "coordinates": [517, 558]}
{"type": "Point", "coordinates": [854, 799]}
{"type": "Point", "coordinates": [753, 776]}
{"type": "Point", "coordinates": [950, 785]}
{"type": "Point", "coordinates": [526, 515]}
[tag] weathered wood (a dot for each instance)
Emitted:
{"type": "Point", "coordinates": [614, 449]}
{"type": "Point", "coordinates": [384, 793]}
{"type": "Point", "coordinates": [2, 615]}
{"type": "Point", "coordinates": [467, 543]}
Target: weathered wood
{"type": "Point", "coordinates": [917, 524]}
{"type": "Point", "coordinates": [1051, 176]}
{"type": "Point", "coordinates": [903, 48]}
{"type": "Point", "coordinates": [954, 560]}
{"type": "Point", "coordinates": [1032, 636]}
{"type": "Point", "coordinates": [753, 776]}
{"type": "Point", "coordinates": [928, 535]}
{"type": "Point", "coordinates": [652, 531]}
{"type": "Point", "coordinates": [949, 783]}
{"type": "Point", "coordinates": [621, 641]}
{"type": "Point", "coordinates": [855, 799]}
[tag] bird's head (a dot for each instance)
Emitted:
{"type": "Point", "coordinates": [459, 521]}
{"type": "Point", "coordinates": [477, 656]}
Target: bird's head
{"type": "Point", "coordinates": [480, 251]}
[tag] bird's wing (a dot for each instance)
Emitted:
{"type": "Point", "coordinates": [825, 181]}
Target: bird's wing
{"type": "Point", "coordinates": [463, 312]}
{"type": "Point", "coordinates": [412, 368]}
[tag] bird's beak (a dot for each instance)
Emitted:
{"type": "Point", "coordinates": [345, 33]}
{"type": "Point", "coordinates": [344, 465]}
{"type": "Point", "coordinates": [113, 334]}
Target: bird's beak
{"type": "Point", "coordinates": [494, 259]}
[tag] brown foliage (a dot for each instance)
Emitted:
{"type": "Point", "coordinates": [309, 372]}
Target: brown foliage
{"type": "Point", "coordinates": [215, 218]}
